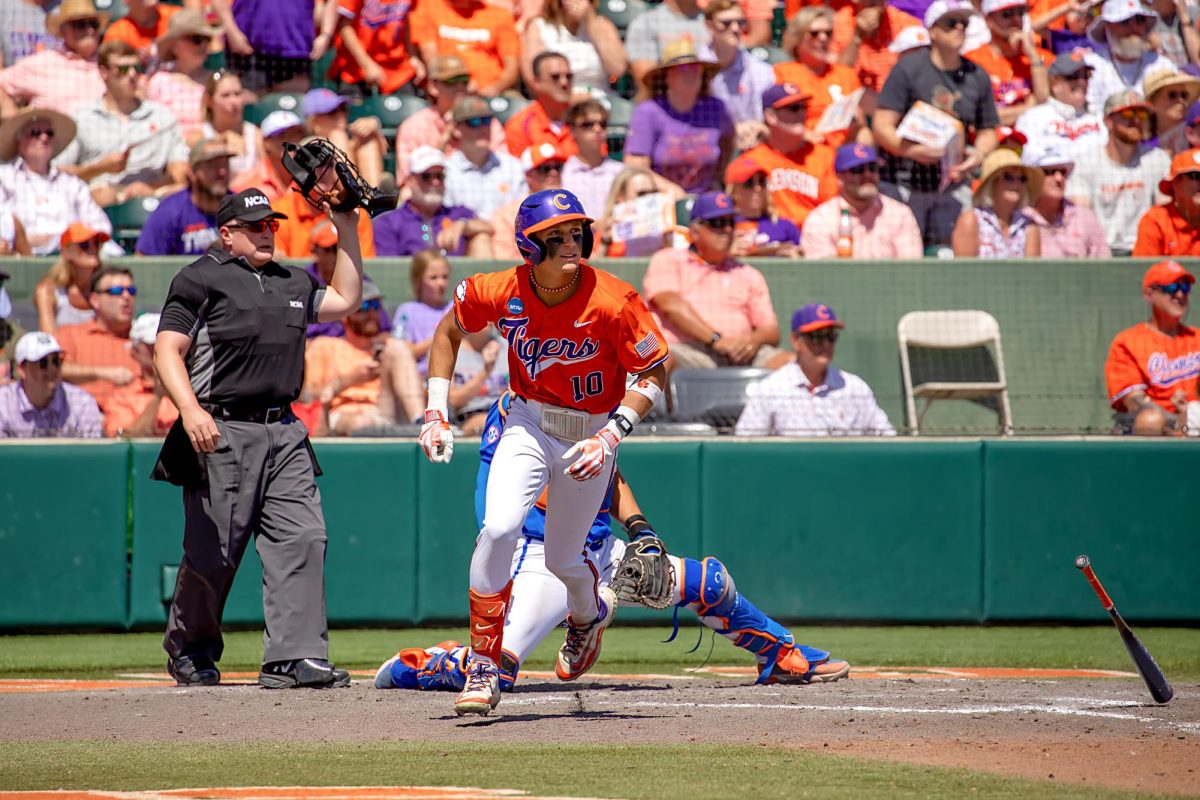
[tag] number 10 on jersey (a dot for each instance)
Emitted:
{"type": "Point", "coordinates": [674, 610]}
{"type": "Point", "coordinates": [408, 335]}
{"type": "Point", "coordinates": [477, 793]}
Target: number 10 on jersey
{"type": "Point", "coordinates": [589, 385]}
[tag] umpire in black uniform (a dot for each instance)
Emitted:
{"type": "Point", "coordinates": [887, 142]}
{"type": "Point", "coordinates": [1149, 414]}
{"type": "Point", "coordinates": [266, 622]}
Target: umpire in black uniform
{"type": "Point", "coordinates": [230, 353]}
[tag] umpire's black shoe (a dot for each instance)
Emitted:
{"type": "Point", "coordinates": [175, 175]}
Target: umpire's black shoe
{"type": "Point", "coordinates": [316, 673]}
{"type": "Point", "coordinates": [193, 671]}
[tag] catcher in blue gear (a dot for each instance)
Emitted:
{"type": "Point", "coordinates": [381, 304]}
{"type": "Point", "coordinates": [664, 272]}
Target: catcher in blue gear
{"type": "Point", "coordinates": [646, 575]}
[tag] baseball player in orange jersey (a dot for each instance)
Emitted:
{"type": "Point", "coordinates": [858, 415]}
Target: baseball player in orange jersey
{"type": "Point", "coordinates": [1154, 365]}
{"type": "Point", "coordinates": [574, 335]}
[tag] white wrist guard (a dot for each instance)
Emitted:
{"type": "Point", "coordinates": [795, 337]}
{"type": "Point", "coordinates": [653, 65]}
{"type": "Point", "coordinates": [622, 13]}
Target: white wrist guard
{"type": "Point", "coordinates": [648, 390]}
{"type": "Point", "coordinates": [439, 396]}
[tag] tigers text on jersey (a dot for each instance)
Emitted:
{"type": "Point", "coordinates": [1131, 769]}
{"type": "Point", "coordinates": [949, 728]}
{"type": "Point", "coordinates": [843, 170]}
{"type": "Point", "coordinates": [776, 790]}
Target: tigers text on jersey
{"type": "Point", "coordinates": [576, 354]}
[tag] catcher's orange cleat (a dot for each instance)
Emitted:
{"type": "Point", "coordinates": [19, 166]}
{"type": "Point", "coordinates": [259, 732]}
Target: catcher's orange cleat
{"type": "Point", "coordinates": [792, 667]}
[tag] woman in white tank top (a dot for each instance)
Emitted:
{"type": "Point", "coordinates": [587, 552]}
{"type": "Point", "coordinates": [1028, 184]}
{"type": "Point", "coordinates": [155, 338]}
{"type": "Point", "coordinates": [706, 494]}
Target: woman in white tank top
{"type": "Point", "coordinates": [61, 297]}
{"type": "Point", "coordinates": [223, 119]}
{"type": "Point", "coordinates": [590, 43]}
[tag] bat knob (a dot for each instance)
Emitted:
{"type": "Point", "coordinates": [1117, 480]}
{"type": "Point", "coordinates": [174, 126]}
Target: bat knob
{"type": "Point", "coordinates": [1082, 562]}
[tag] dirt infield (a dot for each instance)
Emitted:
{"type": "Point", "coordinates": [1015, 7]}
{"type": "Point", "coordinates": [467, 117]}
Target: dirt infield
{"type": "Point", "coordinates": [1084, 731]}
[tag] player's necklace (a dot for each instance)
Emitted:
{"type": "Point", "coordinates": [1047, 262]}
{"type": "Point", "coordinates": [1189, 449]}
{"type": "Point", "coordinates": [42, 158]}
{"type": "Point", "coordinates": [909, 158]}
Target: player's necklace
{"type": "Point", "coordinates": [560, 289]}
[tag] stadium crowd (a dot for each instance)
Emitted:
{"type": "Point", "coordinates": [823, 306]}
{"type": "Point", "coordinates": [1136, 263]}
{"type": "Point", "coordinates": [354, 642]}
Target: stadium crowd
{"type": "Point", "coordinates": [857, 129]}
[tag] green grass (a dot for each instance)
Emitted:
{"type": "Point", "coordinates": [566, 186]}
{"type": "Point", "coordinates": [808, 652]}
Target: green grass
{"type": "Point", "coordinates": [653, 772]}
{"type": "Point", "coordinates": [1177, 650]}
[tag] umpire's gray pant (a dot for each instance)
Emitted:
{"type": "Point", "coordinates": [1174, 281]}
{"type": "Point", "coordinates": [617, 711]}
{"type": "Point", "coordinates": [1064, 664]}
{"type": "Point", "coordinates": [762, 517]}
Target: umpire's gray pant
{"type": "Point", "coordinates": [260, 481]}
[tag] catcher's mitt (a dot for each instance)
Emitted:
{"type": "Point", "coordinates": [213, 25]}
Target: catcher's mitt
{"type": "Point", "coordinates": [645, 574]}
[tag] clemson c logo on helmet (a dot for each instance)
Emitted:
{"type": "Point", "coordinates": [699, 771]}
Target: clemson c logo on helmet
{"type": "Point", "coordinates": [561, 203]}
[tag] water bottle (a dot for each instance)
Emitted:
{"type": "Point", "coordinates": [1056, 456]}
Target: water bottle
{"type": "Point", "coordinates": [845, 235]}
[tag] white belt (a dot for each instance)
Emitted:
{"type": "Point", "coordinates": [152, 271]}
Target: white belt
{"type": "Point", "coordinates": [568, 424]}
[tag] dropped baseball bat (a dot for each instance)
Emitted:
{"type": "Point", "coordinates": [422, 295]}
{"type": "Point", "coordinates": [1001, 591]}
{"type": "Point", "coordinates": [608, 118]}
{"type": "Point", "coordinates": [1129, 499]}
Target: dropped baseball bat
{"type": "Point", "coordinates": [1156, 682]}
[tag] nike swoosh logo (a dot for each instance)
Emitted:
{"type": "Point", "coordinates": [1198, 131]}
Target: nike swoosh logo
{"type": "Point", "coordinates": [580, 324]}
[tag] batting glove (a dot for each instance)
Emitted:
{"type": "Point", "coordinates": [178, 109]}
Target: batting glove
{"type": "Point", "coordinates": [436, 439]}
{"type": "Point", "coordinates": [593, 454]}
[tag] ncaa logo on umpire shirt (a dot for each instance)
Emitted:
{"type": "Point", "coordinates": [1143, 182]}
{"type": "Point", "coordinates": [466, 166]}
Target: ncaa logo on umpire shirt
{"type": "Point", "coordinates": [515, 306]}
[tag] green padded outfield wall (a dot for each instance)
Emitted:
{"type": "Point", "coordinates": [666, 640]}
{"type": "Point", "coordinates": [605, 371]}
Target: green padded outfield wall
{"type": "Point", "coordinates": [906, 530]}
{"type": "Point", "coordinates": [64, 522]}
{"type": "Point", "coordinates": [1057, 320]}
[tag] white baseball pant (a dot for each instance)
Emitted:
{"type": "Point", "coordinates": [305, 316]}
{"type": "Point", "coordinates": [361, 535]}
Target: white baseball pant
{"type": "Point", "coordinates": [539, 599]}
{"type": "Point", "coordinates": [526, 460]}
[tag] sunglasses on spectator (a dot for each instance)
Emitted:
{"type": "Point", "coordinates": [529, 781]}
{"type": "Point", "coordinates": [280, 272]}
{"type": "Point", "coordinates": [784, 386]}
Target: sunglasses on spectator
{"type": "Point", "coordinates": [1064, 171]}
{"type": "Point", "coordinates": [1015, 12]}
{"type": "Point", "coordinates": [198, 39]}
{"type": "Point", "coordinates": [645, 192]}
{"type": "Point", "coordinates": [433, 176]}
{"type": "Point", "coordinates": [1177, 286]}
{"type": "Point", "coordinates": [261, 226]}
{"type": "Point", "coordinates": [558, 77]}
{"type": "Point", "coordinates": [726, 24]}
{"type": "Point", "coordinates": [35, 133]}
{"type": "Point", "coordinates": [719, 224]}
{"type": "Point", "coordinates": [1014, 177]}
{"type": "Point", "coordinates": [819, 32]}
{"type": "Point", "coordinates": [45, 362]}
{"type": "Point", "coordinates": [546, 169]}
{"type": "Point", "coordinates": [793, 110]}
{"type": "Point", "coordinates": [861, 168]}
{"type": "Point", "coordinates": [127, 69]}
{"type": "Point", "coordinates": [1135, 116]}
{"type": "Point", "coordinates": [951, 23]}
{"type": "Point", "coordinates": [821, 336]}
{"type": "Point", "coordinates": [478, 122]}
{"type": "Point", "coordinates": [370, 305]}
{"type": "Point", "coordinates": [593, 125]}
{"type": "Point", "coordinates": [84, 25]}
{"type": "Point", "coordinates": [757, 182]}
{"type": "Point", "coordinates": [1177, 94]}
{"type": "Point", "coordinates": [89, 246]}
{"type": "Point", "coordinates": [117, 291]}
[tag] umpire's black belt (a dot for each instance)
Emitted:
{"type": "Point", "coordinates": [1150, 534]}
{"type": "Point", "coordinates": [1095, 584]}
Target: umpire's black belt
{"type": "Point", "coordinates": [244, 414]}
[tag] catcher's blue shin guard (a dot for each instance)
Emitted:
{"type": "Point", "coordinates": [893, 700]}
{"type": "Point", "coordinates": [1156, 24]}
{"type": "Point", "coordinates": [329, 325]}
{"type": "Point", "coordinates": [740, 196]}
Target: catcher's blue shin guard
{"type": "Point", "coordinates": [444, 668]}
{"type": "Point", "coordinates": [709, 590]}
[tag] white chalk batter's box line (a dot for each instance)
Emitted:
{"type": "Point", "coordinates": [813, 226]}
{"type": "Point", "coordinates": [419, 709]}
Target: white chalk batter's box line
{"type": "Point", "coordinates": [1063, 706]}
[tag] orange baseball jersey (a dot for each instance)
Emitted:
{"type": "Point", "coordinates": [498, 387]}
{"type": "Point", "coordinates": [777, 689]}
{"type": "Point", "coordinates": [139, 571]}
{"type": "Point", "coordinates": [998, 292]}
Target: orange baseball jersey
{"type": "Point", "coordinates": [574, 355]}
{"type": "Point", "coordinates": [797, 185]}
{"type": "Point", "coordinates": [1143, 358]}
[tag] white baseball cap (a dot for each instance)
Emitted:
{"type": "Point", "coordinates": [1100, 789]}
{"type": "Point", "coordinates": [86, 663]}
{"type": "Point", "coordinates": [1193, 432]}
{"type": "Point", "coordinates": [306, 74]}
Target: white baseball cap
{"type": "Point", "coordinates": [424, 158]}
{"type": "Point", "coordinates": [1049, 153]}
{"type": "Point", "coordinates": [144, 328]}
{"type": "Point", "coordinates": [992, 6]}
{"type": "Point", "coordinates": [910, 39]}
{"type": "Point", "coordinates": [1117, 11]}
{"type": "Point", "coordinates": [35, 346]}
{"type": "Point", "coordinates": [942, 8]}
{"type": "Point", "coordinates": [277, 122]}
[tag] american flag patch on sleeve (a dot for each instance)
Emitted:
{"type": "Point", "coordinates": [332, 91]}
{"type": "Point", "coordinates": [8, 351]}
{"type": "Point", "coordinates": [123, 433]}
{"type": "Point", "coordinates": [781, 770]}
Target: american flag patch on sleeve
{"type": "Point", "coordinates": [648, 346]}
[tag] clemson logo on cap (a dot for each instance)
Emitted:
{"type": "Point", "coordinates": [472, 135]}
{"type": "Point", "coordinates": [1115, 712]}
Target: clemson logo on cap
{"type": "Point", "coordinates": [791, 88]}
{"type": "Point", "coordinates": [722, 200]}
{"type": "Point", "coordinates": [1196, 155]}
{"type": "Point", "coordinates": [860, 151]}
{"type": "Point", "coordinates": [561, 202]}
{"type": "Point", "coordinates": [823, 312]}
{"type": "Point", "coordinates": [547, 150]}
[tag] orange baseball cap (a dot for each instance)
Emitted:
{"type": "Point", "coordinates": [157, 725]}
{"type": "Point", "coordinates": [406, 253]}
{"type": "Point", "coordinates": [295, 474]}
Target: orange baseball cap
{"type": "Point", "coordinates": [323, 234]}
{"type": "Point", "coordinates": [77, 233]}
{"type": "Point", "coordinates": [1165, 272]}
{"type": "Point", "coordinates": [742, 169]}
{"type": "Point", "coordinates": [1185, 162]}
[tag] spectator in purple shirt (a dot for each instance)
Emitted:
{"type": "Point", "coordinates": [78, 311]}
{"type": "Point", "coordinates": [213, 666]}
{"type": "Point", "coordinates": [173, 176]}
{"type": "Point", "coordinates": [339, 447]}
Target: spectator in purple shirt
{"type": "Point", "coordinates": [424, 221]}
{"type": "Point", "coordinates": [323, 240]}
{"type": "Point", "coordinates": [40, 404]}
{"type": "Point", "coordinates": [416, 320]}
{"type": "Point", "coordinates": [185, 223]}
{"type": "Point", "coordinates": [682, 133]}
{"type": "Point", "coordinates": [271, 44]}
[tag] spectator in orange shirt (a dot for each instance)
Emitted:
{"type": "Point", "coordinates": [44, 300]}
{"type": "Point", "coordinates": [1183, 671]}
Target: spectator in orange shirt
{"type": "Point", "coordinates": [268, 175]}
{"type": "Point", "coordinates": [363, 379]}
{"type": "Point", "coordinates": [862, 33]}
{"type": "Point", "coordinates": [1173, 229]}
{"type": "Point", "coordinates": [144, 23]}
{"type": "Point", "coordinates": [1154, 365]}
{"type": "Point", "coordinates": [294, 237]}
{"type": "Point", "coordinates": [99, 356]}
{"type": "Point", "coordinates": [484, 37]}
{"type": "Point", "coordinates": [808, 37]}
{"type": "Point", "coordinates": [141, 407]}
{"type": "Point", "coordinates": [374, 48]}
{"type": "Point", "coordinates": [800, 174]}
{"type": "Point", "coordinates": [431, 127]}
{"type": "Point", "coordinates": [1015, 64]}
{"type": "Point", "coordinates": [545, 119]}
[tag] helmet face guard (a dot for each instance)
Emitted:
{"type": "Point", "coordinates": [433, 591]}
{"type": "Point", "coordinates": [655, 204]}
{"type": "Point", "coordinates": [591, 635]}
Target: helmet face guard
{"type": "Point", "coordinates": [324, 173]}
{"type": "Point", "coordinates": [545, 209]}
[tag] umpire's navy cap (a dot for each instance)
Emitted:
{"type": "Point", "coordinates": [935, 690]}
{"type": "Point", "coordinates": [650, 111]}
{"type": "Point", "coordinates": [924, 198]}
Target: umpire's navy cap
{"type": "Point", "coordinates": [250, 205]}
